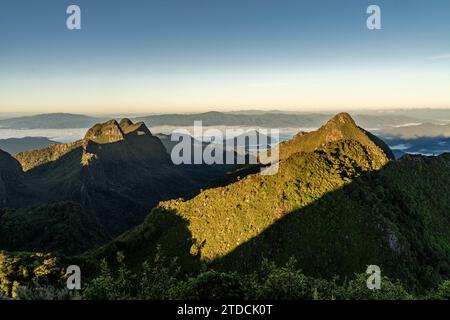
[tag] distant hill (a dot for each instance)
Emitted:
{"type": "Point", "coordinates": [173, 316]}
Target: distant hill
{"type": "Point", "coordinates": [338, 204]}
{"type": "Point", "coordinates": [16, 145]}
{"type": "Point", "coordinates": [428, 114]}
{"type": "Point", "coordinates": [418, 131]}
{"type": "Point", "coordinates": [370, 121]}
{"type": "Point", "coordinates": [50, 121]}
{"type": "Point", "coordinates": [266, 119]}
{"type": "Point", "coordinates": [230, 119]}
{"type": "Point", "coordinates": [269, 119]}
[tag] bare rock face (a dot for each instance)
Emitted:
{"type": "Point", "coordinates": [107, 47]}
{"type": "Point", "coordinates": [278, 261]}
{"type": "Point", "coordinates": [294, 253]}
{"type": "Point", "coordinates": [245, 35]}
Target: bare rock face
{"type": "Point", "coordinates": [107, 132]}
{"type": "Point", "coordinates": [138, 129]}
{"type": "Point", "coordinates": [125, 123]}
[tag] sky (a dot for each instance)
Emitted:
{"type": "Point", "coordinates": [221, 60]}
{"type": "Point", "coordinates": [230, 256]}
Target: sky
{"type": "Point", "coordinates": [146, 56]}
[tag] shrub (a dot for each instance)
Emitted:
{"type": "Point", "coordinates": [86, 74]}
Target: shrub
{"type": "Point", "coordinates": [213, 285]}
{"type": "Point", "coordinates": [357, 289]}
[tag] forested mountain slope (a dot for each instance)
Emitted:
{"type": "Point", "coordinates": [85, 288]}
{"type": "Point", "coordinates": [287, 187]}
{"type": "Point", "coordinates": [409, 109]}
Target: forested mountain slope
{"type": "Point", "coordinates": [337, 208]}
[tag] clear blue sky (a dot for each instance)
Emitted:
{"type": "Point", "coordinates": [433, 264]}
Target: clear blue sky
{"type": "Point", "coordinates": [195, 55]}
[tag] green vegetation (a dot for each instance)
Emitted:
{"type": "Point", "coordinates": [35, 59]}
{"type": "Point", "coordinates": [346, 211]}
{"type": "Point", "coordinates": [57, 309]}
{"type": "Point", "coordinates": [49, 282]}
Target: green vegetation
{"type": "Point", "coordinates": [118, 173]}
{"type": "Point", "coordinates": [25, 273]}
{"type": "Point", "coordinates": [338, 204]}
{"type": "Point", "coordinates": [162, 279]}
{"type": "Point", "coordinates": [34, 158]}
{"type": "Point", "coordinates": [63, 227]}
{"type": "Point", "coordinates": [336, 209]}
{"type": "Point", "coordinates": [41, 277]}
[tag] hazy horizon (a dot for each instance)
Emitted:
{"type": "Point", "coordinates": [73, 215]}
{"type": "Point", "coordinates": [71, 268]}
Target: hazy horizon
{"type": "Point", "coordinates": [243, 110]}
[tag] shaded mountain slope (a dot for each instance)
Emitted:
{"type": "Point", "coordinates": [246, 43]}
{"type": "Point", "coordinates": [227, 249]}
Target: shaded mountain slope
{"type": "Point", "coordinates": [12, 187]}
{"type": "Point", "coordinates": [120, 174]}
{"type": "Point", "coordinates": [220, 219]}
{"type": "Point", "coordinates": [397, 218]}
{"type": "Point", "coordinates": [63, 227]}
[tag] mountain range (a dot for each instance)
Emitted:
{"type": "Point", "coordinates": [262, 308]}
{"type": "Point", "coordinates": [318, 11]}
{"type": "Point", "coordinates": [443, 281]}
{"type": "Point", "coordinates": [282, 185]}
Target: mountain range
{"type": "Point", "coordinates": [273, 119]}
{"type": "Point", "coordinates": [339, 203]}
{"type": "Point", "coordinates": [49, 121]}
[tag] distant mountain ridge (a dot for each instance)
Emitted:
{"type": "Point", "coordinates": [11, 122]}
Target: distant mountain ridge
{"type": "Point", "coordinates": [50, 121]}
{"type": "Point", "coordinates": [418, 131]}
{"type": "Point", "coordinates": [16, 145]}
{"type": "Point", "coordinates": [267, 120]}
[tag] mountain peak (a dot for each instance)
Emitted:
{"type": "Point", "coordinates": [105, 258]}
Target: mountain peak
{"type": "Point", "coordinates": [341, 119]}
{"type": "Point", "coordinates": [339, 128]}
{"type": "Point", "coordinates": [138, 128]}
{"type": "Point", "coordinates": [107, 132]}
{"type": "Point", "coordinates": [125, 123]}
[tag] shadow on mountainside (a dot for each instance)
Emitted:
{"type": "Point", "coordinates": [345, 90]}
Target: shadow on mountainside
{"type": "Point", "coordinates": [397, 218]}
{"type": "Point", "coordinates": [162, 228]}
{"type": "Point", "coordinates": [120, 185]}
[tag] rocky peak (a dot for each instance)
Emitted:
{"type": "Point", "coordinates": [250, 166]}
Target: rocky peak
{"type": "Point", "coordinates": [138, 129]}
{"type": "Point", "coordinates": [339, 128]}
{"type": "Point", "coordinates": [341, 119]}
{"type": "Point", "coordinates": [107, 132]}
{"type": "Point", "coordinates": [125, 123]}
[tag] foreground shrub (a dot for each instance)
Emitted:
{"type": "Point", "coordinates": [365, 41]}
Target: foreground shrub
{"type": "Point", "coordinates": [213, 285]}
{"type": "Point", "coordinates": [443, 292]}
{"type": "Point", "coordinates": [357, 289]}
